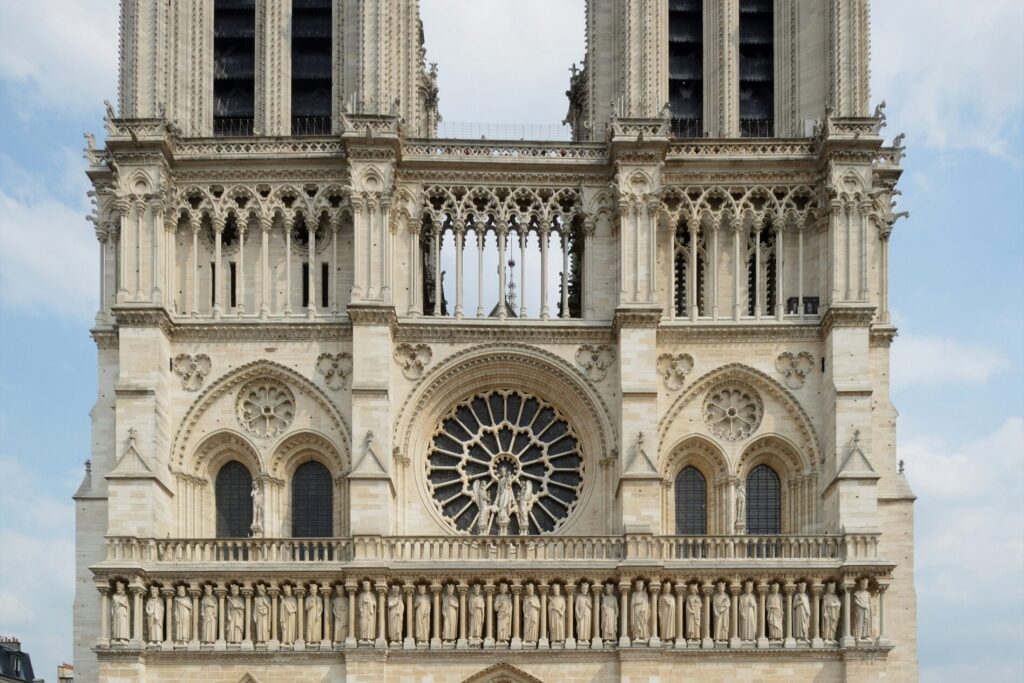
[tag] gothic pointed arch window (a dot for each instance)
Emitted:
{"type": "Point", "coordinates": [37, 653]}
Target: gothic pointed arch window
{"type": "Point", "coordinates": [691, 503]}
{"type": "Point", "coordinates": [764, 501]}
{"type": "Point", "coordinates": [233, 490]}
{"type": "Point", "coordinates": [312, 501]}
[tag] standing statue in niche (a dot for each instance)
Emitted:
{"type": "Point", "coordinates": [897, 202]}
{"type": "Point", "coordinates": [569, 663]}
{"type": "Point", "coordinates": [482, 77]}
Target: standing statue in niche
{"type": "Point", "coordinates": [609, 613]}
{"type": "Point", "coordinates": [422, 614]}
{"type": "Point", "coordinates": [449, 614]}
{"type": "Point", "coordinates": [531, 615]}
{"type": "Point", "coordinates": [747, 616]}
{"type": "Point", "coordinates": [257, 509]}
{"type": "Point", "coordinates": [208, 612]}
{"type": "Point", "coordinates": [339, 610]}
{"type": "Point", "coordinates": [556, 615]}
{"type": "Point", "coordinates": [831, 606]}
{"type": "Point", "coordinates": [773, 613]}
{"type": "Point", "coordinates": [523, 506]}
{"type": "Point", "coordinates": [503, 613]}
{"type": "Point", "coordinates": [484, 508]}
{"type": "Point", "coordinates": [693, 613]}
{"type": "Point", "coordinates": [289, 615]}
{"type": "Point", "coordinates": [477, 609]}
{"type": "Point", "coordinates": [155, 615]}
{"type": "Point", "coordinates": [801, 613]}
{"type": "Point", "coordinates": [720, 605]}
{"type": "Point", "coordinates": [741, 508]}
{"type": "Point", "coordinates": [667, 612]}
{"type": "Point", "coordinates": [182, 616]}
{"type": "Point", "coordinates": [119, 613]}
{"type": "Point", "coordinates": [314, 614]}
{"type": "Point", "coordinates": [640, 613]}
{"type": "Point", "coordinates": [367, 615]}
{"type": "Point", "coordinates": [862, 611]}
{"type": "Point", "coordinates": [584, 612]}
{"type": "Point", "coordinates": [396, 613]}
{"type": "Point", "coordinates": [261, 608]}
{"type": "Point", "coordinates": [504, 501]}
{"type": "Point", "coordinates": [236, 615]}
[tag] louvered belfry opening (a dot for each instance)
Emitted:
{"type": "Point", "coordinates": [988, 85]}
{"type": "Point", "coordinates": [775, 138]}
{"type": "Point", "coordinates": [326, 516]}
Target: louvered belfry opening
{"type": "Point", "coordinates": [686, 67]}
{"type": "Point", "coordinates": [311, 67]}
{"type": "Point", "coordinates": [757, 69]}
{"type": "Point", "coordinates": [234, 68]}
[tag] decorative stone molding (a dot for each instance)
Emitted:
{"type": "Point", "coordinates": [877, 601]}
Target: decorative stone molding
{"type": "Point", "coordinates": [795, 367]}
{"type": "Point", "coordinates": [414, 330]}
{"type": "Point", "coordinates": [413, 358]}
{"type": "Point", "coordinates": [674, 368]}
{"type": "Point", "coordinates": [265, 407]}
{"type": "Point", "coordinates": [733, 410]}
{"type": "Point", "coordinates": [191, 369]}
{"type": "Point", "coordinates": [336, 369]}
{"type": "Point", "coordinates": [595, 360]}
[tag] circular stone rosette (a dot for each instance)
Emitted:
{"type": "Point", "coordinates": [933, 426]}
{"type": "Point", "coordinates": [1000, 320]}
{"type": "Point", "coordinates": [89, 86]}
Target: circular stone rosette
{"type": "Point", "coordinates": [733, 411]}
{"type": "Point", "coordinates": [265, 407]}
{"type": "Point", "coordinates": [504, 462]}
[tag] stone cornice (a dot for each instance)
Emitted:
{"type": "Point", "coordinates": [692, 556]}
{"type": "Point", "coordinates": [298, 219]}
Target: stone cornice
{"type": "Point", "coordinates": [636, 317]}
{"type": "Point", "coordinates": [846, 316]}
{"type": "Point", "coordinates": [882, 336]}
{"type": "Point", "coordinates": [717, 332]}
{"type": "Point", "coordinates": [446, 330]}
{"type": "Point", "coordinates": [105, 337]}
{"type": "Point", "coordinates": [142, 315]}
{"type": "Point", "coordinates": [372, 314]}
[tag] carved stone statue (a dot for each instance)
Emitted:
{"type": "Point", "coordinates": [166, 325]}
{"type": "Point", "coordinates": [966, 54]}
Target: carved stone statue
{"type": "Point", "coordinates": [367, 614]}
{"type": "Point", "coordinates": [422, 614]}
{"type": "Point", "coordinates": [339, 610]}
{"type": "Point", "coordinates": [531, 615]}
{"type": "Point", "coordinates": [396, 613]}
{"type": "Point", "coordinates": [155, 615]}
{"type": "Point", "coordinates": [261, 608]}
{"type": "Point", "coordinates": [773, 613]}
{"type": "Point", "coordinates": [747, 613]}
{"type": "Point", "coordinates": [289, 615]}
{"type": "Point", "coordinates": [556, 615]}
{"type": "Point", "coordinates": [862, 611]}
{"type": "Point", "coordinates": [257, 509]}
{"type": "Point", "coordinates": [831, 606]}
{"type": "Point", "coordinates": [584, 612]}
{"type": "Point", "coordinates": [503, 614]}
{"type": "Point", "coordinates": [235, 609]}
{"type": "Point", "coordinates": [208, 612]}
{"type": "Point", "coordinates": [477, 612]}
{"type": "Point", "coordinates": [119, 621]}
{"type": "Point", "coordinates": [449, 614]}
{"type": "Point", "coordinates": [801, 613]}
{"type": "Point", "coordinates": [182, 616]}
{"type": "Point", "coordinates": [314, 614]}
{"type": "Point", "coordinates": [693, 613]}
{"type": "Point", "coordinates": [524, 505]}
{"type": "Point", "coordinates": [609, 613]}
{"type": "Point", "coordinates": [484, 507]}
{"type": "Point", "coordinates": [640, 613]}
{"type": "Point", "coordinates": [504, 501]}
{"type": "Point", "coordinates": [667, 612]}
{"type": "Point", "coordinates": [720, 604]}
{"type": "Point", "coordinates": [741, 508]}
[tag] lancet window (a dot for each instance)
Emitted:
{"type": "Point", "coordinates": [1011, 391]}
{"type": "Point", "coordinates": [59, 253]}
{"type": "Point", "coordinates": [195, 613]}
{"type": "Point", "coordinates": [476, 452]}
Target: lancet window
{"type": "Point", "coordinates": [691, 503]}
{"type": "Point", "coordinates": [764, 502]}
{"type": "Point", "coordinates": [757, 68]}
{"type": "Point", "coordinates": [761, 271]}
{"type": "Point", "coordinates": [689, 270]}
{"type": "Point", "coordinates": [312, 501]}
{"type": "Point", "coordinates": [234, 67]}
{"type": "Point", "coordinates": [311, 67]}
{"type": "Point", "coordinates": [233, 491]}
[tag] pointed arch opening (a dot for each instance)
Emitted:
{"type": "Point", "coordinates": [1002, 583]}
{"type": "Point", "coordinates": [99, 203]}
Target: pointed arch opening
{"type": "Point", "coordinates": [233, 500]}
{"type": "Point", "coordinates": [312, 501]}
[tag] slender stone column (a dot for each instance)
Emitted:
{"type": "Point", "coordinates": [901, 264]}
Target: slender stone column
{"type": "Point", "coordinates": [462, 643]}
{"type": "Point", "coordinates": [196, 594]}
{"type": "Point", "coordinates": [137, 593]}
{"type": "Point", "coordinates": [139, 209]}
{"type": "Point", "coordinates": [438, 289]}
{"type": "Point", "coordinates": [654, 589]}
{"type": "Point", "coordinates": [864, 210]}
{"type": "Point", "coordinates": [274, 642]}
{"type": "Point", "coordinates": [157, 209]}
{"type": "Point", "coordinates": [415, 262]}
{"type": "Point", "coordinates": [502, 236]}
{"type": "Point", "coordinates": [300, 614]}
{"type": "Point", "coordinates": [780, 264]}
{"type": "Point", "coordinates": [589, 284]}
{"type": "Point", "coordinates": [565, 272]}
{"type": "Point", "coordinates": [489, 621]}
{"type": "Point", "coordinates": [288, 225]}
{"type": "Point", "coordinates": [243, 228]}
{"type": "Point", "coordinates": [124, 209]}
{"type": "Point", "coordinates": [713, 265]}
{"type": "Point", "coordinates": [595, 614]}
{"type": "Point", "coordinates": [517, 640]}
{"type": "Point", "coordinates": [570, 615]}
{"type": "Point", "coordinates": [705, 622]}
{"type": "Point", "coordinates": [544, 234]}
{"type": "Point", "coordinates": [788, 617]}
{"type": "Point", "coordinates": [624, 614]}
{"type": "Point", "coordinates": [885, 230]}
{"type": "Point", "coordinates": [220, 591]}
{"type": "Point", "coordinates": [693, 226]}
{"type": "Point", "coordinates": [523, 231]}
{"type": "Point", "coordinates": [327, 623]}
{"type": "Point", "coordinates": [680, 589]}
{"type": "Point", "coordinates": [800, 269]}
{"type": "Point", "coordinates": [736, 225]}
{"type": "Point", "coordinates": [481, 235]}
{"type": "Point", "coordinates": [195, 224]}
{"type": "Point", "coordinates": [218, 276]}
{"type": "Point", "coordinates": [460, 236]}
{"type": "Point", "coordinates": [409, 643]}
{"type": "Point", "coordinates": [762, 590]}
{"type": "Point", "coordinates": [247, 632]}
{"type": "Point", "coordinates": [542, 636]}
{"type": "Point", "coordinates": [382, 612]}
{"type": "Point", "coordinates": [266, 223]}
{"type": "Point", "coordinates": [350, 641]}
{"type": "Point", "coordinates": [816, 615]}
{"type": "Point", "coordinates": [883, 636]}
{"type": "Point", "coordinates": [168, 594]}
{"type": "Point", "coordinates": [847, 639]}
{"type": "Point", "coordinates": [651, 207]}
{"type": "Point", "coordinates": [734, 601]}
{"type": "Point", "coordinates": [311, 271]}
{"type": "Point", "coordinates": [105, 615]}
{"type": "Point", "coordinates": [435, 592]}
{"type": "Point", "coordinates": [758, 294]}
{"type": "Point", "coordinates": [413, 265]}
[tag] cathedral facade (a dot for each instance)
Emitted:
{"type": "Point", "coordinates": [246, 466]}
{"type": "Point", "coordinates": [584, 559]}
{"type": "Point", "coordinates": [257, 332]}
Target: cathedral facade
{"type": "Point", "coordinates": [376, 405]}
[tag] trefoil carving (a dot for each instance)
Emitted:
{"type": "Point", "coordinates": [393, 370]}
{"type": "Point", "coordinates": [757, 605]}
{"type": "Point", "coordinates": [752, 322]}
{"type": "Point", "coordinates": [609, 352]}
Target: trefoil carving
{"type": "Point", "coordinates": [795, 367]}
{"type": "Point", "coordinates": [191, 369]}
{"type": "Point", "coordinates": [595, 359]}
{"type": "Point", "coordinates": [674, 368]}
{"type": "Point", "coordinates": [413, 358]}
{"type": "Point", "coordinates": [336, 369]}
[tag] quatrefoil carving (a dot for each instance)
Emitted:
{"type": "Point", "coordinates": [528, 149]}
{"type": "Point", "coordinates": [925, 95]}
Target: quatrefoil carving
{"type": "Point", "coordinates": [413, 358]}
{"type": "Point", "coordinates": [795, 367]}
{"type": "Point", "coordinates": [336, 369]}
{"type": "Point", "coordinates": [595, 360]}
{"type": "Point", "coordinates": [674, 368]}
{"type": "Point", "coordinates": [191, 369]}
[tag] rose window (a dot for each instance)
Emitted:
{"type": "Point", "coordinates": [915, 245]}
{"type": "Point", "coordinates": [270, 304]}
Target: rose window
{"type": "Point", "coordinates": [265, 407]}
{"type": "Point", "coordinates": [505, 463]}
{"type": "Point", "coordinates": [733, 411]}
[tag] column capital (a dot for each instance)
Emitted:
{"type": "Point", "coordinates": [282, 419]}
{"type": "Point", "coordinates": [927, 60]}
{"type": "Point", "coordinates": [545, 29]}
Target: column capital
{"type": "Point", "coordinates": [218, 223]}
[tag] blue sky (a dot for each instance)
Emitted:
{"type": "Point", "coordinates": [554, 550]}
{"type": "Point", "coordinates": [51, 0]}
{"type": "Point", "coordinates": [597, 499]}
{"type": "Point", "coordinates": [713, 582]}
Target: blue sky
{"type": "Point", "coordinates": [954, 82]}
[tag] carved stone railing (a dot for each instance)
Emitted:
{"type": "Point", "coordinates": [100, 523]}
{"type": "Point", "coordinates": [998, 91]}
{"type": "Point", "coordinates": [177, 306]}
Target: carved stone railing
{"type": "Point", "coordinates": [502, 150]}
{"type": "Point", "coordinates": [819, 549]}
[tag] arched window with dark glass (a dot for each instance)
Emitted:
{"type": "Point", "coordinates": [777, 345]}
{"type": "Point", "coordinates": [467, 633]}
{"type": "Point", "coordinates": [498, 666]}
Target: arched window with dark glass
{"type": "Point", "coordinates": [691, 503]}
{"type": "Point", "coordinates": [233, 500]}
{"type": "Point", "coordinates": [764, 502]}
{"type": "Point", "coordinates": [312, 501]}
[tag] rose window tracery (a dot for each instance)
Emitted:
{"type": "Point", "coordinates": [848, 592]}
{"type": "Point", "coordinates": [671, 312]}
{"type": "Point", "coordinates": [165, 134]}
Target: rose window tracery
{"type": "Point", "coordinates": [505, 463]}
{"type": "Point", "coordinates": [265, 407]}
{"type": "Point", "coordinates": [733, 411]}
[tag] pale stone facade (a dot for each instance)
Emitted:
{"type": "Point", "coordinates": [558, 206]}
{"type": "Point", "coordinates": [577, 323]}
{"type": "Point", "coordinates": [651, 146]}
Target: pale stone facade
{"type": "Point", "coordinates": [507, 481]}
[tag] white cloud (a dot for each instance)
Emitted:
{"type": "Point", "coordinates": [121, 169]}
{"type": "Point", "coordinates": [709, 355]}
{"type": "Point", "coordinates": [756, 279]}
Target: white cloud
{"type": "Point", "coordinates": [49, 257]}
{"type": "Point", "coordinates": [59, 55]}
{"type": "Point", "coordinates": [925, 360]}
{"type": "Point", "coordinates": [952, 74]}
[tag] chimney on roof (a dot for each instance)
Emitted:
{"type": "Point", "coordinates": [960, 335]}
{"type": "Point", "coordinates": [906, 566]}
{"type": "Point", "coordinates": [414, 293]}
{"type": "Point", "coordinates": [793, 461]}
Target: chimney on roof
{"type": "Point", "coordinates": [11, 643]}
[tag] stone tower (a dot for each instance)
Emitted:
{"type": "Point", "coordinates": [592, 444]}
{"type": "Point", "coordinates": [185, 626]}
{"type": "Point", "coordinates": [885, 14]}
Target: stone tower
{"type": "Point", "coordinates": [373, 402]}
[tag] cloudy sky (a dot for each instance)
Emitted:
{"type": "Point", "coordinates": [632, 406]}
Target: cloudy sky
{"type": "Point", "coordinates": [953, 80]}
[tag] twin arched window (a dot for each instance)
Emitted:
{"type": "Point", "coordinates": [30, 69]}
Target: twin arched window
{"type": "Point", "coordinates": [764, 501]}
{"type": "Point", "coordinates": [312, 501]}
{"type": "Point", "coordinates": [691, 503]}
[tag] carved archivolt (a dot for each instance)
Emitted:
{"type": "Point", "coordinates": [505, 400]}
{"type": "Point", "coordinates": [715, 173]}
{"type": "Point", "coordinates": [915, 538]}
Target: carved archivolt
{"type": "Point", "coordinates": [413, 358]}
{"type": "Point", "coordinates": [265, 407]}
{"type": "Point", "coordinates": [673, 368]}
{"type": "Point", "coordinates": [191, 369]}
{"type": "Point", "coordinates": [795, 367]}
{"type": "Point", "coordinates": [336, 369]}
{"type": "Point", "coordinates": [595, 360]}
